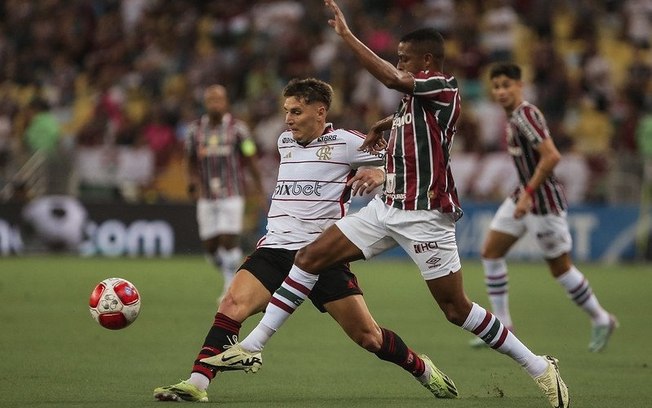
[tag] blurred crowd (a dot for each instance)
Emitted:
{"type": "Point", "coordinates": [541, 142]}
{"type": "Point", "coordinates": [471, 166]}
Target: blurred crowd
{"type": "Point", "coordinates": [97, 94]}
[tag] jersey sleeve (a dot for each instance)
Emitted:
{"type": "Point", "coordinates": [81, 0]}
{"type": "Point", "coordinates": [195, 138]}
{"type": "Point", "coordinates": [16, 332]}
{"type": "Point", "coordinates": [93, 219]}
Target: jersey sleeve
{"type": "Point", "coordinates": [531, 123]}
{"type": "Point", "coordinates": [189, 144]}
{"type": "Point", "coordinates": [246, 143]}
{"type": "Point", "coordinates": [434, 86]}
{"type": "Point", "coordinates": [358, 158]}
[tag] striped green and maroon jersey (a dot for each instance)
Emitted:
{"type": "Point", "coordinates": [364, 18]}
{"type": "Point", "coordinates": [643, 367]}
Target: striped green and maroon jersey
{"type": "Point", "coordinates": [219, 151]}
{"type": "Point", "coordinates": [527, 128]}
{"type": "Point", "coordinates": [418, 152]}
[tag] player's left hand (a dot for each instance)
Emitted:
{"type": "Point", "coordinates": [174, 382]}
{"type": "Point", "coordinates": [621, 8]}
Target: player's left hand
{"type": "Point", "coordinates": [337, 22]}
{"type": "Point", "coordinates": [366, 180]}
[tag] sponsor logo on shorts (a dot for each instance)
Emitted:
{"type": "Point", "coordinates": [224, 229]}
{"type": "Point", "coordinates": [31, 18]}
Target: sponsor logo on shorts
{"type": "Point", "coordinates": [425, 247]}
{"type": "Point", "coordinates": [433, 262]}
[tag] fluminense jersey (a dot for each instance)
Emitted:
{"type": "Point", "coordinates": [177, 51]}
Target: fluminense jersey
{"type": "Point", "coordinates": [311, 191]}
{"type": "Point", "coordinates": [418, 154]}
{"type": "Point", "coordinates": [219, 151]}
{"type": "Point", "coordinates": [527, 128]}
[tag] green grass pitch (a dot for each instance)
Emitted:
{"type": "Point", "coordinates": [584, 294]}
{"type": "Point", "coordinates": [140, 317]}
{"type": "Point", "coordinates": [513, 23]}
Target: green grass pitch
{"type": "Point", "coordinates": [53, 354]}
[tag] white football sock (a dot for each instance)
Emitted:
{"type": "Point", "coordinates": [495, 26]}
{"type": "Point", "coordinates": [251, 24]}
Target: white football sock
{"type": "Point", "coordinates": [580, 292]}
{"type": "Point", "coordinates": [496, 281]}
{"type": "Point", "coordinates": [486, 326]}
{"type": "Point", "coordinates": [284, 301]}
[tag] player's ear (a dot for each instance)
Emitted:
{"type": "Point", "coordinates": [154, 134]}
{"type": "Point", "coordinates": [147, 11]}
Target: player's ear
{"type": "Point", "coordinates": [429, 61]}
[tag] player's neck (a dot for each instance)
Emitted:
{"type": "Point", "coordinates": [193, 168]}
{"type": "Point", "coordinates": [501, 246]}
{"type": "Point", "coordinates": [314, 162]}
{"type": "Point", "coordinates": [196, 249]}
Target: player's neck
{"type": "Point", "coordinates": [510, 109]}
{"type": "Point", "coordinates": [215, 119]}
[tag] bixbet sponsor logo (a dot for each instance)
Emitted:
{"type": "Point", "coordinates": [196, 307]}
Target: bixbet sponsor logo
{"type": "Point", "coordinates": [298, 188]}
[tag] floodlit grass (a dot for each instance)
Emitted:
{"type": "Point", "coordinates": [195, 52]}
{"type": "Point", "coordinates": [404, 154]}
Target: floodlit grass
{"type": "Point", "coordinates": [53, 354]}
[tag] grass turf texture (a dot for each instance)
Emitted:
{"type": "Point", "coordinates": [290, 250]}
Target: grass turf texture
{"type": "Point", "coordinates": [52, 353]}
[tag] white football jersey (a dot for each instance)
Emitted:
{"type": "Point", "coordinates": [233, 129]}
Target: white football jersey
{"type": "Point", "coordinates": [311, 191]}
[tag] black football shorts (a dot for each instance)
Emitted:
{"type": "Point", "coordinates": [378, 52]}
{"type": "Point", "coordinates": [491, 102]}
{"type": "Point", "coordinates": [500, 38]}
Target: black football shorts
{"type": "Point", "coordinates": [272, 265]}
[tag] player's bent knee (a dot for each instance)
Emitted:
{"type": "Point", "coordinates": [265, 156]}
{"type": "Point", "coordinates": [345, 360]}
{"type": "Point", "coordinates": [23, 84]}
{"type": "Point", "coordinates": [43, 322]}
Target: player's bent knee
{"type": "Point", "coordinates": [368, 340]}
{"type": "Point", "coordinates": [235, 308]}
{"type": "Point", "coordinates": [309, 259]}
{"type": "Point", "coordinates": [454, 314]}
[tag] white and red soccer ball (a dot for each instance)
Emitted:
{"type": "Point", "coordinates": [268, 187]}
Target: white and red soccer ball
{"type": "Point", "coordinates": [114, 303]}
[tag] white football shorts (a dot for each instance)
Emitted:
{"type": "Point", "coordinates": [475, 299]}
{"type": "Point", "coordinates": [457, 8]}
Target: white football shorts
{"type": "Point", "coordinates": [550, 231]}
{"type": "Point", "coordinates": [428, 236]}
{"type": "Point", "coordinates": [218, 217]}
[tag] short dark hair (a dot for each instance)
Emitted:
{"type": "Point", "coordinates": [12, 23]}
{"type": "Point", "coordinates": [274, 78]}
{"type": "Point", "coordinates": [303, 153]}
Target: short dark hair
{"type": "Point", "coordinates": [310, 90]}
{"type": "Point", "coordinates": [429, 39]}
{"type": "Point", "coordinates": [509, 69]}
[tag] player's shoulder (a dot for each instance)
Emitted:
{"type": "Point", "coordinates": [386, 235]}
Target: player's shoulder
{"type": "Point", "coordinates": [285, 139]}
{"type": "Point", "coordinates": [342, 135]}
{"type": "Point", "coordinates": [436, 75]}
{"type": "Point", "coordinates": [527, 107]}
{"type": "Point", "coordinates": [240, 125]}
{"type": "Point", "coordinates": [193, 129]}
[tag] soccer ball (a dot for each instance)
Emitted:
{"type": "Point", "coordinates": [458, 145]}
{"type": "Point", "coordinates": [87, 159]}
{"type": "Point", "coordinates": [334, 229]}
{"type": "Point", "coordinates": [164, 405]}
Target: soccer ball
{"type": "Point", "coordinates": [114, 303]}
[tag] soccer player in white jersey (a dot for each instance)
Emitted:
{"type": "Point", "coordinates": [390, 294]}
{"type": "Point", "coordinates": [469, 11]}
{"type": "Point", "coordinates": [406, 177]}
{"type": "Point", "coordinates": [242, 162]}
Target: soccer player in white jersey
{"type": "Point", "coordinates": [318, 173]}
{"type": "Point", "coordinates": [537, 205]}
{"type": "Point", "coordinates": [418, 208]}
{"type": "Point", "coordinates": [218, 147]}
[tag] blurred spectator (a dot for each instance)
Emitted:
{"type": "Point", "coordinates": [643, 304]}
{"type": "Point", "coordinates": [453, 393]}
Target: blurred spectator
{"type": "Point", "coordinates": [440, 14]}
{"type": "Point", "coordinates": [499, 30]}
{"type": "Point", "coordinates": [5, 139]}
{"type": "Point", "coordinates": [469, 64]}
{"type": "Point", "coordinates": [592, 134]}
{"type": "Point", "coordinates": [43, 130]}
{"type": "Point", "coordinates": [159, 135]}
{"type": "Point", "coordinates": [638, 22]}
{"type": "Point", "coordinates": [550, 80]}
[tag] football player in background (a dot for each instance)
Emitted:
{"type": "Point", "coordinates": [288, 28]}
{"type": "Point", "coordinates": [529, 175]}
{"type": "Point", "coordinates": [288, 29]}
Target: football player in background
{"type": "Point", "coordinates": [537, 205]}
{"type": "Point", "coordinates": [218, 147]}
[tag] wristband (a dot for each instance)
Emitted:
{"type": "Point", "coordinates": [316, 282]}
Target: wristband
{"type": "Point", "coordinates": [529, 190]}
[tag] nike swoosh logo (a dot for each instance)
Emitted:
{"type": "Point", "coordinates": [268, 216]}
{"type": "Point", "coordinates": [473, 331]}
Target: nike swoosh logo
{"type": "Point", "coordinates": [225, 358]}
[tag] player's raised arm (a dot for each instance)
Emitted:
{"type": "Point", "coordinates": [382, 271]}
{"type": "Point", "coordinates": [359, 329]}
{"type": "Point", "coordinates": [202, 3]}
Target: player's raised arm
{"type": "Point", "coordinates": [384, 71]}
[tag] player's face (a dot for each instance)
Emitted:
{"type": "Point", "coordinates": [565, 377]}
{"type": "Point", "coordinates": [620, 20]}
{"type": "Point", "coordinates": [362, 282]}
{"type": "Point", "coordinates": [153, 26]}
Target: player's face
{"type": "Point", "coordinates": [216, 101]}
{"type": "Point", "coordinates": [409, 59]}
{"type": "Point", "coordinates": [306, 121]}
{"type": "Point", "coordinates": [507, 92]}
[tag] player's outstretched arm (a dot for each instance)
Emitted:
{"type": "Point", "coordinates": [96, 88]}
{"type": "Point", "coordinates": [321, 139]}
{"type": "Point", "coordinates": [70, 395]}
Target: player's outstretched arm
{"type": "Point", "coordinates": [385, 72]}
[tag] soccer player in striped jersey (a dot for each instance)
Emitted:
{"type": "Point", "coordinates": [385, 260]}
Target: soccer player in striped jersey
{"type": "Point", "coordinates": [321, 168]}
{"type": "Point", "coordinates": [537, 205]}
{"type": "Point", "coordinates": [218, 147]}
{"type": "Point", "coordinates": [417, 210]}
